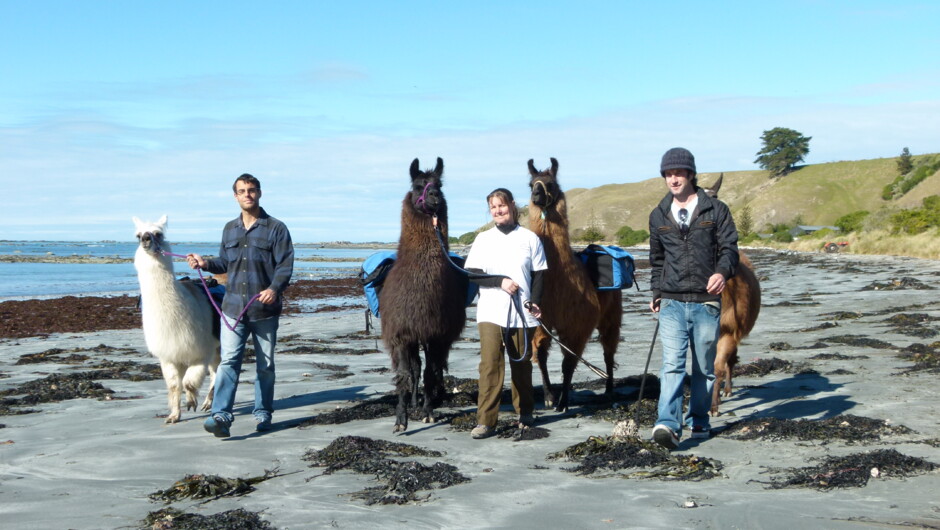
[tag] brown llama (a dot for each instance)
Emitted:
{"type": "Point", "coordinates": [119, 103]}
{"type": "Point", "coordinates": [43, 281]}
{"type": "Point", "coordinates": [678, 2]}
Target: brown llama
{"type": "Point", "coordinates": [571, 305]}
{"type": "Point", "coordinates": [740, 305]}
{"type": "Point", "coordinates": [423, 297]}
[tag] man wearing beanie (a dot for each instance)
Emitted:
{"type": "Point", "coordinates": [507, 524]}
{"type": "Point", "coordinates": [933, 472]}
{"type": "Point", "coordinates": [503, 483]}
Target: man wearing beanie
{"type": "Point", "coordinates": [693, 252]}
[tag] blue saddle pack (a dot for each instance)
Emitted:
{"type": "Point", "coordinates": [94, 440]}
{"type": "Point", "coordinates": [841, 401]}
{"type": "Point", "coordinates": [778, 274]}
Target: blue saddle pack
{"type": "Point", "coordinates": [610, 267]}
{"type": "Point", "coordinates": [376, 267]}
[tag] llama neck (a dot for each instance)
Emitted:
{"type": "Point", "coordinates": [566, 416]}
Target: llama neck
{"type": "Point", "coordinates": [153, 272]}
{"type": "Point", "coordinates": [418, 238]}
{"type": "Point", "coordinates": [551, 225]}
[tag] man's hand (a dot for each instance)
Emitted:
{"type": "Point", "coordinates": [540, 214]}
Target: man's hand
{"type": "Point", "coordinates": [267, 296]}
{"type": "Point", "coordinates": [654, 305]}
{"type": "Point", "coordinates": [716, 284]}
{"type": "Point", "coordinates": [195, 261]}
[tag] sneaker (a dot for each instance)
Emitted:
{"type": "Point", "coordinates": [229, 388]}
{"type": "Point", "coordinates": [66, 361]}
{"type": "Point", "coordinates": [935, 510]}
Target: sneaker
{"type": "Point", "coordinates": [263, 424]}
{"type": "Point", "coordinates": [217, 426]}
{"type": "Point", "coordinates": [481, 431]}
{"type": "Point", "coordinates": [665, 437]}
{"type": "Point", "coordinates": [699, 431]}
{"type": "Point", "coordinates": [526, 420]}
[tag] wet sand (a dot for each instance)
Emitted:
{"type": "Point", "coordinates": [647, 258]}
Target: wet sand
{"type": "Point", "coordinates": [829, 323]}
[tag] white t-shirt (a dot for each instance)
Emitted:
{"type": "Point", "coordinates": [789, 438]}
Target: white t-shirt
{"type": "Point", "coordinates": [516, 255]}
{"type": "Point", "coordinates": [688, 207]}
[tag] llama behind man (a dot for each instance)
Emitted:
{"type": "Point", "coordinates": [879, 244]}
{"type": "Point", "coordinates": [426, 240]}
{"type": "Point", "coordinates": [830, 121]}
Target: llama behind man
{"type": "Point", "coordinates": [180, 327]}
{"type": "Point", "coordinates": [740, 305]}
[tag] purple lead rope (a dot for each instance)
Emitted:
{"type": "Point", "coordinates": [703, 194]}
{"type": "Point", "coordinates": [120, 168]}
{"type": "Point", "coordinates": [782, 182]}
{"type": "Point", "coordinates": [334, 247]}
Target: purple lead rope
{"type": "Point", "coordinates": [212, 300]}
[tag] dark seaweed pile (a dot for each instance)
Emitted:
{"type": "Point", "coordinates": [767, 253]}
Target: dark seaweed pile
{"type": "Point", "coordinates": [173, 519]}
{"type": "Point", "coordinates": [372, 457]}
{"type": "Point", "coordinates": [858, 340]}
{"type": "Point", "coordinates": [853, 471]}
{"type": "Point", "coordinates": [608, 454]}
{"type": "Point", "coordinates": [926, 357]}
{"type": "Point", "coordinates": [848, 428]}
{"type": "Point", "coordinates": [897, 284]}
{"type": "Point", "coordinates": [762, 367]}
{"type": "Point", "coordinates": [458, 393]}
{"type": "Point", "coordinates": [209, 487]}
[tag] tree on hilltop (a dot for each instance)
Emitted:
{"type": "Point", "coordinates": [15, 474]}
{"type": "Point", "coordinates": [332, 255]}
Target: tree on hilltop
{"type": "Point", "coordinates": [783, 149]}
{"type": "Point", "coordinates": [905, 162]}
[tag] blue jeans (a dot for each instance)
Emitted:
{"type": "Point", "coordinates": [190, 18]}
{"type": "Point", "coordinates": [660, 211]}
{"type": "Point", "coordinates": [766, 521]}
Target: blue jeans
{"type": "Point", "coordinates": [684, 327]}
{"type": "Point", "coordinates": [264, 333]}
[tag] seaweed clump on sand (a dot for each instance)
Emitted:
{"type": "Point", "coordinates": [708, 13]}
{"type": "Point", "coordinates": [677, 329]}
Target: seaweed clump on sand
{"type": "Point", "coordinates": [457, 393]}
{"type": "Point", "coordinates": [848, 427]}
{"type": "Point", "coordinates": [209, 487]}
{"type": "Point", "coordinates": [859, 340]}
{"type": "Point", "coordinates": [506, 427]}
{"type": "Point", "coordinates": [53, 388]}
{"type": "Point", "coordinates": [898, 284]}
{"type": "Point", "coordinates": [607, 455]}
{"type": "Point", "coordinates": [852, 471]}
{"type": "Point", "coordinates": [173, 519]}
{"type": "Point", "coordinates": [926, 357]}
{"type": "Point", "coordinates": [647, 415]}
{"type": "Point", "coordinates": [762, 367]}
{"type": "Point", "coordinates": [403, 479]}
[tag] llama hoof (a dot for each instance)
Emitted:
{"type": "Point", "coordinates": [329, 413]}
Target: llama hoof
{"type": "Point", "coordinates": [207, 406]}
{"type": "Point", "coordinates": [399, 429]}
{"type": "Point", "coordinates": [172, 418]}
{"type": "Point", "coordinates": [190, 406]}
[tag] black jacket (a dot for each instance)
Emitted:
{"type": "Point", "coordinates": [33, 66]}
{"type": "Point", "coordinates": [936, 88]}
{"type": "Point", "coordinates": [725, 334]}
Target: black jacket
{"type": "Point", "coordinates": [682, 264]}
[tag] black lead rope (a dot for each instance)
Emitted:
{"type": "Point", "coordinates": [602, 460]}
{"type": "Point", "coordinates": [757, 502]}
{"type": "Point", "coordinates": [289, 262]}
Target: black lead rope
{"type": "Point", "coordinates": [514, 304]}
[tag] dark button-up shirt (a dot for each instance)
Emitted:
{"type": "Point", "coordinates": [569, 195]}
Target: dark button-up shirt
{"type": "Point", "coordinates": [256, 259]}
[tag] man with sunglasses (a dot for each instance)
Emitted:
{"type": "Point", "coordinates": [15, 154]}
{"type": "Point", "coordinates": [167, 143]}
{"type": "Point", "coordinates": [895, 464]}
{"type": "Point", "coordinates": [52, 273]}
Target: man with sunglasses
{"type": "Point", "coordinates": [693, 252]}
{"type": "Point", "coordinates": [258, 255]}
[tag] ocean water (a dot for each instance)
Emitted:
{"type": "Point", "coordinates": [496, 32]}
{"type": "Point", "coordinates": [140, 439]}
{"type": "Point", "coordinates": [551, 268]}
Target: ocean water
{"type": "Point", "coordinates": [47, 280]}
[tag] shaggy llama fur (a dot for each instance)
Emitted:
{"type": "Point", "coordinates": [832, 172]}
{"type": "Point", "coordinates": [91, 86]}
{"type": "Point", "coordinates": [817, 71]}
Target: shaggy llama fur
{"type": "Point", "coordinates": [422, 299]}
{"type": "Point", "coordinates": [180, 327]}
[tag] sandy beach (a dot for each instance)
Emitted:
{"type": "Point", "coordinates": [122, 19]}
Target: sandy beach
{"type": "Point", "coordinates": [839, 336]}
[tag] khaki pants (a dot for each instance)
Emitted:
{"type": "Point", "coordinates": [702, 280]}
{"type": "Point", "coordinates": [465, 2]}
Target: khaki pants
{"type": "Point", "coordinates": [493, 369]}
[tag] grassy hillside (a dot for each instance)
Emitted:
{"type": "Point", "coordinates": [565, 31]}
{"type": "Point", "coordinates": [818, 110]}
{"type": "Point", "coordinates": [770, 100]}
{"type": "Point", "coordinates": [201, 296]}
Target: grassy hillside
{"type": "Point", "coordinates": [818, 193]}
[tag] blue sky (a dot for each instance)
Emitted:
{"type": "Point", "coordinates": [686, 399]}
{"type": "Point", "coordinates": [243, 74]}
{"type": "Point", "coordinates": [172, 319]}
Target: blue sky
{"type": "Point", "coordinates": [113, 109]}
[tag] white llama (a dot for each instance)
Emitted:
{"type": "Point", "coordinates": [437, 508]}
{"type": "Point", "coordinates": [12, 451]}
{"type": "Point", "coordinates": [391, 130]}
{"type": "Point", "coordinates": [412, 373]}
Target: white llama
{"type": "Point", "coordinates": [178, 321]}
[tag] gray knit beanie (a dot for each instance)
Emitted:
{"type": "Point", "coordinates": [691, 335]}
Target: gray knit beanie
{"type": "Point", "coordinates": [677, 158]}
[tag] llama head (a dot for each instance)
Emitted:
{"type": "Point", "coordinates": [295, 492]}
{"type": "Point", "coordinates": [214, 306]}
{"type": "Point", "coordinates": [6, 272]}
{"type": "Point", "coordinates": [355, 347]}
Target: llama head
{"type": "Point", "coordinates": [151, 235]}
{"type": "Point", "coordinates": [713, 190]}
{"type": "Point", "coordinates": [426, 196]}
{"type": "Point", "coordinates": [544, 185]}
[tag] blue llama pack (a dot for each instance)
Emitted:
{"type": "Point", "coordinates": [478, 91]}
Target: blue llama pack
{"type": "Point", "coordinates": [375, 268]}
{"type": "Point", "coordinates": [610, 267]}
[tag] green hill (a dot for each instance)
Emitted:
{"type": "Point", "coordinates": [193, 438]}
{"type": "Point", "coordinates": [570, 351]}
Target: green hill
{"type": "Point", "coordinates": [818, 193]}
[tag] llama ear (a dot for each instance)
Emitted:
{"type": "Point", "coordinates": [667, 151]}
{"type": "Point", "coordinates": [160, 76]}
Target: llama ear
{"type": "Point", "coordinates": [554, 167]}
{"type": "Point", "coordinates": [532, 170]}
{"type": "Point", "coordinates": [717, 185]}
{"type": "Point", "coordinates": [137, 222]}
{"type": "Point", "coordinates": [162, 222]}
{"type": "Point", "coordinates": [414, 169]}
{"type": "Point", "coordinates": [439, 169]}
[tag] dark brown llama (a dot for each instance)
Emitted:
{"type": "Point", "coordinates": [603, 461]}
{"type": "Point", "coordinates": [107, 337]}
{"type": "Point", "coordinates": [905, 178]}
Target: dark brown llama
{"type": "Point", "coordinates": [571, 305]}
{"type": "Point", "coordinates": [422, 299]}
{"type": "Point", "coordinates": [740, 306]}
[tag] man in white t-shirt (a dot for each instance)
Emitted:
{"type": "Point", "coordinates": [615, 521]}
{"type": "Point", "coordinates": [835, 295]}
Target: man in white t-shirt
{"type": "Point", "coordinates": [513, 259]}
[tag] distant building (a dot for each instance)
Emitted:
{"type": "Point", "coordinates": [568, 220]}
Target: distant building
{"type": "Point", "coordinates": [802, 230]}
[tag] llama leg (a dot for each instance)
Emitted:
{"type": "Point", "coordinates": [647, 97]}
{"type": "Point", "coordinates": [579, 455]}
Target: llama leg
{"type": "Point", "coordinates": [173, 379]}
{"type": "Point", "coordinates": [540, 345]}
{"type": "Point", "coordinates": [609, 331]}
{"type": "Point", "coordinates": [724, 351]}
{"type": "Point", "coordinates": [568, 365]}
{"type": "Point", "coordinates": [192, 380]}
{"type": "Point", "coordinates": [405, 382]}
{"type": "Point", "coordinates": [210, 395]}
{"type": "Point", "coordinates": [432, 383]}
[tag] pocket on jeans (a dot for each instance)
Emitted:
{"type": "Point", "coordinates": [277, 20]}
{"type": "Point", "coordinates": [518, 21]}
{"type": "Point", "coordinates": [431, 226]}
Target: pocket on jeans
{"type": "Point", "coordinates": [712, 310]}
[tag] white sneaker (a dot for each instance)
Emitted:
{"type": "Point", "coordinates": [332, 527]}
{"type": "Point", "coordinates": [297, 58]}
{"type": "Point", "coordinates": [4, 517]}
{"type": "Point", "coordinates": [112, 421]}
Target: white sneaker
{"type": "Point", "coordinates": [665, 437]}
